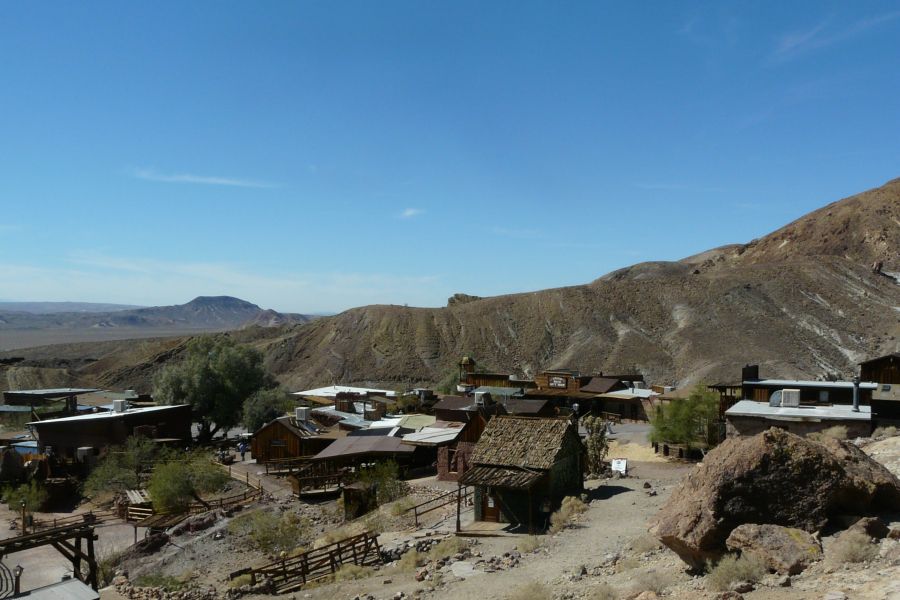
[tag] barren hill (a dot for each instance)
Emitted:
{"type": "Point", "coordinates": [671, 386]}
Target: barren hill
{"type": "Point", "coordinates": [802, 302]}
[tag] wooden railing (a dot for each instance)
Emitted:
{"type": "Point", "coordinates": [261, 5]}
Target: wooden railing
{"type": "Point", "coordinates": [92, 517]}
{"type": "Point", "coordinates": [280, 465]}
{"type": "Point", "coordinates": [291, 574]}
{"type": "Point", "coordinates": [439, 502]}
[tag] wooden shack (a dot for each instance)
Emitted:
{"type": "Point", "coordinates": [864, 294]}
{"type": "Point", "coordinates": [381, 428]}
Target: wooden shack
{"type": "Point", "coordinates": [288, 437]}
{"type": "Point", "coordinates": [99, 430]}
{"type": "Point", "coordinates": [884, 371]}
{"type": "Point", "coordinates": [523, 467]}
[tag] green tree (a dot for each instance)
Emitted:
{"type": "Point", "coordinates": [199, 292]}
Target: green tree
{"type": "Point", "coordinates": [263, 406]}
{"type": "Point", "coordinates": [215, 377]}
{"type": "Point", "coordinates": [34, 495]}
{"type": "Point", "coordinates": [122, 467]}
{"type": "Point", "coordinates": [174, 484]}
{"type": "Point", "coordinates": [691, 422]}
{"type": "Point", "coordinates": [596, 443]}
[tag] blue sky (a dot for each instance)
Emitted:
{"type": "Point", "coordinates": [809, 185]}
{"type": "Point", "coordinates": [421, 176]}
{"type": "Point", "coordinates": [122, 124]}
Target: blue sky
{"type": "Point", "coordinates": [314, 156]}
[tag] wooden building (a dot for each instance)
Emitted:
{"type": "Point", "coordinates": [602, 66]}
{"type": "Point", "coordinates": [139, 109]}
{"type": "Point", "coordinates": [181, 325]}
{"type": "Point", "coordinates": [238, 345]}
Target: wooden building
{"type": "Point", "coordinates": [522, 468]}
{"type": "Point", "coordinates": [289, 437]}
{"type": "Point", "coordinates": [884, 371]}
{"type": "Point", "coordinates": [747, 418]}
{"type": "Point", "coordinates": [103, 429]}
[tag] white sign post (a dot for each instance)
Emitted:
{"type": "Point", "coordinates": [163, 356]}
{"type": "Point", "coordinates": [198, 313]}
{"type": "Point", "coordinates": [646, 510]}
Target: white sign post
{"type": "Point", "coordinates": [620, 465]}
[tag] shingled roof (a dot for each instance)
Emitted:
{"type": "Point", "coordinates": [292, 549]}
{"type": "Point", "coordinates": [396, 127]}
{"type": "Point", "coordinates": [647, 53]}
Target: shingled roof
{"type": "Point", "coordinates": [523, 442]}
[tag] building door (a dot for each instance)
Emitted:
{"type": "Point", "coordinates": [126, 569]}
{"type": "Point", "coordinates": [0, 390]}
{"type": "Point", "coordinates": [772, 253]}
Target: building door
{"type": "Point", "coordinates": [490, 508]}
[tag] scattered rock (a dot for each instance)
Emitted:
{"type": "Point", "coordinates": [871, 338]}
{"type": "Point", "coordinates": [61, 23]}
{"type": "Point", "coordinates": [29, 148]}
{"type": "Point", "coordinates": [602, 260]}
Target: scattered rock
{"type": "Point", "coordinates": [742, 587]}
{"type": "Point", "coordinates": [786, 550]}
{"type": "Point", "coordinates": [872, 527]}
{"type": "Point", "coordinates": [729, 595]}
{"type": "Point", "coordinates": [835, 595]}
{"type": "Point", "coordinates": [773, 477]}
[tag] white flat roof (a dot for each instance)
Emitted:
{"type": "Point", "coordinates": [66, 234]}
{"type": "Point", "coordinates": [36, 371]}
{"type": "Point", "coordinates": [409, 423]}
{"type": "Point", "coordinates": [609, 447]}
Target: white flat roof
{"type": "Point", "coordinates": [106, 414]}
{"type": "Point", "coordinates": [789, 383]}
{"type": "Point", "coordinates": [333, 390]}
{"type": "Point", "coordinates": [838, 412]}
{"type": "Point", "coordinates": [429, 436]}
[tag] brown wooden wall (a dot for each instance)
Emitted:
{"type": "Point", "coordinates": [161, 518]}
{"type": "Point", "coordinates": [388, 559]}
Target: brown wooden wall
{"type": "Point", "coordinates": [276, 441]}
{"type": "Point", "coordinates": [881, 370]}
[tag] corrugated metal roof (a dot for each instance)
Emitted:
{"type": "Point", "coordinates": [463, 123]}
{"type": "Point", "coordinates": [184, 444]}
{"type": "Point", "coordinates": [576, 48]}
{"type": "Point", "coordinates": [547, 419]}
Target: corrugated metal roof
{"type": "Point", "coordinates": [789, 383]}
{"type": "Point", "coordinates": [333, 390]}
{"type": "Point", "coordinates": [365, 444]}
{"type": "Point", "coordinates": [70, 589]}
{"type": "Point", "coordinates": [433, 436]}
{"type": "Point", "coordinates": [106, 415]}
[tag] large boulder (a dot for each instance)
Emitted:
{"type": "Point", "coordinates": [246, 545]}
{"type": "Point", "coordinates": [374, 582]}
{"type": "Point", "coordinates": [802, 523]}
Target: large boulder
{"type": "Point", "coordinates": [786, 550]}
{"type": "Point", "coordinates": [773, 477]}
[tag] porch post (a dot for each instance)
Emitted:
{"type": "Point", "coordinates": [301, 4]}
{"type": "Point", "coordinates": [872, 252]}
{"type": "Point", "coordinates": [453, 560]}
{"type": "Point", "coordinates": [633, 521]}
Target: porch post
{"type": "Point", "coordinates": [458, 502]}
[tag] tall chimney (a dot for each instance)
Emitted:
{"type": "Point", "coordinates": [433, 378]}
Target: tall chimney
{"type": "Point", "coordinates": [856, 393]}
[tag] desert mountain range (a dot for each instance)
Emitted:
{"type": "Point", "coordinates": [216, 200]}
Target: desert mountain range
{"type": "Point", "coordinates": [802, 301]}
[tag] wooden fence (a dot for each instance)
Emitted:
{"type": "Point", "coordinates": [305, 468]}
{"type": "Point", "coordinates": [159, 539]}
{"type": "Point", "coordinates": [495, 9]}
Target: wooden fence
{"type": "Point", "coordinates": [441, 501]}
{"type": "Point", "coordinates": [286, 465]}
{"type": "Point", "coordinates": [291, 574]}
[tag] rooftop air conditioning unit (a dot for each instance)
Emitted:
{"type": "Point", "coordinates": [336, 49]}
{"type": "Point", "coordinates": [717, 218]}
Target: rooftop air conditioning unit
{"type": "Point", "coordinates": [119, 406]}
{"type": "Point", "coordinates": [301, 413]}
{"type": "Point", "coordinates": [790, 398]}
{"type": "Point", "coordinates": [640, 385]}
{"type": "Point", "coordinates": [479, 398]}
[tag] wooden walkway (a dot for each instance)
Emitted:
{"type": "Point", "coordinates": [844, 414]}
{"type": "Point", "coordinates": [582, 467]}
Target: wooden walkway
{"type": "Point", "coordinates": [291, 574]}
{"type": "Point", "coordinates": [68, 541]}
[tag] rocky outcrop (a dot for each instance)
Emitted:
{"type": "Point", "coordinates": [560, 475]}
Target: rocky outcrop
{"type": "Point", "coordinates": [785, 550]}
{"type": "Point", "coordinates": [775, 478]}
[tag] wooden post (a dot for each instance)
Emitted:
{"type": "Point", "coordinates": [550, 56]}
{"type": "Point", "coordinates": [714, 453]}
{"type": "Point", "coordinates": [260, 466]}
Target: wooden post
{"type": "Point", "coordinates": [92, 562]}
{"type": "Point", "coordinates": [76, 559]}
{"type": "Point", "coordinates": [458, 501]}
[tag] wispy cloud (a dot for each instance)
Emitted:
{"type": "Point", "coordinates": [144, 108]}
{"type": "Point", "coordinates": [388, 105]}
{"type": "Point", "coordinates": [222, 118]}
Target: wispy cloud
{"type": "Point", "coordinates": [153, 175]}
{"type": "Point", "coordinates": [409, 213]}
{"type": "Point", "coordinates": [9, 227]}
{"type": "Point", "coordinates": [821, 35]}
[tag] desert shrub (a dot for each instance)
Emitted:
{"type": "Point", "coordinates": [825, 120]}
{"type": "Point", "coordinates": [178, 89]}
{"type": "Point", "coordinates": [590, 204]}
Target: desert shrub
{"type": "Point", "coordinates": [386, 477]}
{"type": "Point", "coordinates": [33, 494]}
{"type": "Point", "coordinates": [528, 544]}
{"type": "Point", "coordinates": [531, 591]}
{"type": "Point", "coordinates": [644, 544]}
{"type": "Point", "coordinates": [409, 561]}
{"type": "Point", "coordinates": [852, 547]}
{"type": "Point", "coordinates": [448, 547]}
{"type": "Point", "coordinates": [174, 484]}
{"type": "Point", "coordinates": [350, 572]}
{"type": "Point", "coordinates": [732, 568]}
{"type": "Point", "coordinates": [889, 431]}
{"type": "Point", "coordinates": [596, 444]}
{"type": "Point", "coordinates": [264, 406]}
{"type": "Point", "coordinates": [157, 580]}
{"type": "Point", "coordinates": [106, 565]}
{"type": "Point", "coordinates": [270, 532]}
{"type": "Point", "coordinates": [651, 581]}
{"type": "Point", "coordinates": [240, 580]}
{"type": "Point", "coordinates": [837, 432]}
{"type": "Point", "coordinates": [604, 591]}
{"type": "Point", "coordinates": [628, 563]}
{"type": "Point", "coordinates": [401, 506]}
{"type": "Point", "coordinates": [570, 508]}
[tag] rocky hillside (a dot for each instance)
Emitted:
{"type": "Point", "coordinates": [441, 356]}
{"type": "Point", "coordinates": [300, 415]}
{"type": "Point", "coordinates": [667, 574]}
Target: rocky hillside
{"type": "Point", "coordinates": [802, 302]}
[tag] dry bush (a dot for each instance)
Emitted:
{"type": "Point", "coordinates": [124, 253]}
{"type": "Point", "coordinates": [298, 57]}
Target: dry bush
{"type": "Point", "coordinates": [401, 506]}
{"type": "Point", "coordinates": [528, 544]}
{"type": "Point", "coordinates": [447, 547]}
{"type": "Point", "coordinates": [644, 544]}
{"type": "Point", "coordinates": [651, 581]}
{"type": "Point", "coordinates": [838, 432]}
{"type": "Point", "coordinates": [732, 568]}
{"type": "Point", "coordinates": [350, 572]}
{"type": "Point", "coordinates": [628, 563]}
{"type": "Point", "coordinates": [889, 431]}
{"type": "Point", "coordinates": [852, 547]}
{"type": "Point", "coordinates": [409, 561]}
{"type": "Point", "coordinates": [531, 591]}
{"type": "Point", "coordinates": [604, 591]}
{"type": "Point", "coordinates": [570, 508]}
{"type": "Point", "coordinates": [240, 580]}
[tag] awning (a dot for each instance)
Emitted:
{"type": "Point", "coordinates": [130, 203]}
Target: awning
{"type": "Point", "coordinates": [502, 477]}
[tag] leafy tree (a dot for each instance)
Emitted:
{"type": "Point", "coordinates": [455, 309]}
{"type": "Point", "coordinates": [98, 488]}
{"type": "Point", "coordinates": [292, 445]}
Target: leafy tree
{"type": "Point", "coordinates": [215, 378]}
{"type": "Point", "coordinates": [691, 421]}
{"type": "Point", "coordinates": [596, 443]}
{"type": "Point", "coordinates": [263, 406]}
{"type": "Point", "coordinates": [385, 476]}
{"type": "Point", "coordinates": [34, 495]}
{"type": "Point", "coordinates": [122, 467]}
{"type": "Point", "coordinates": [175, 483]}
